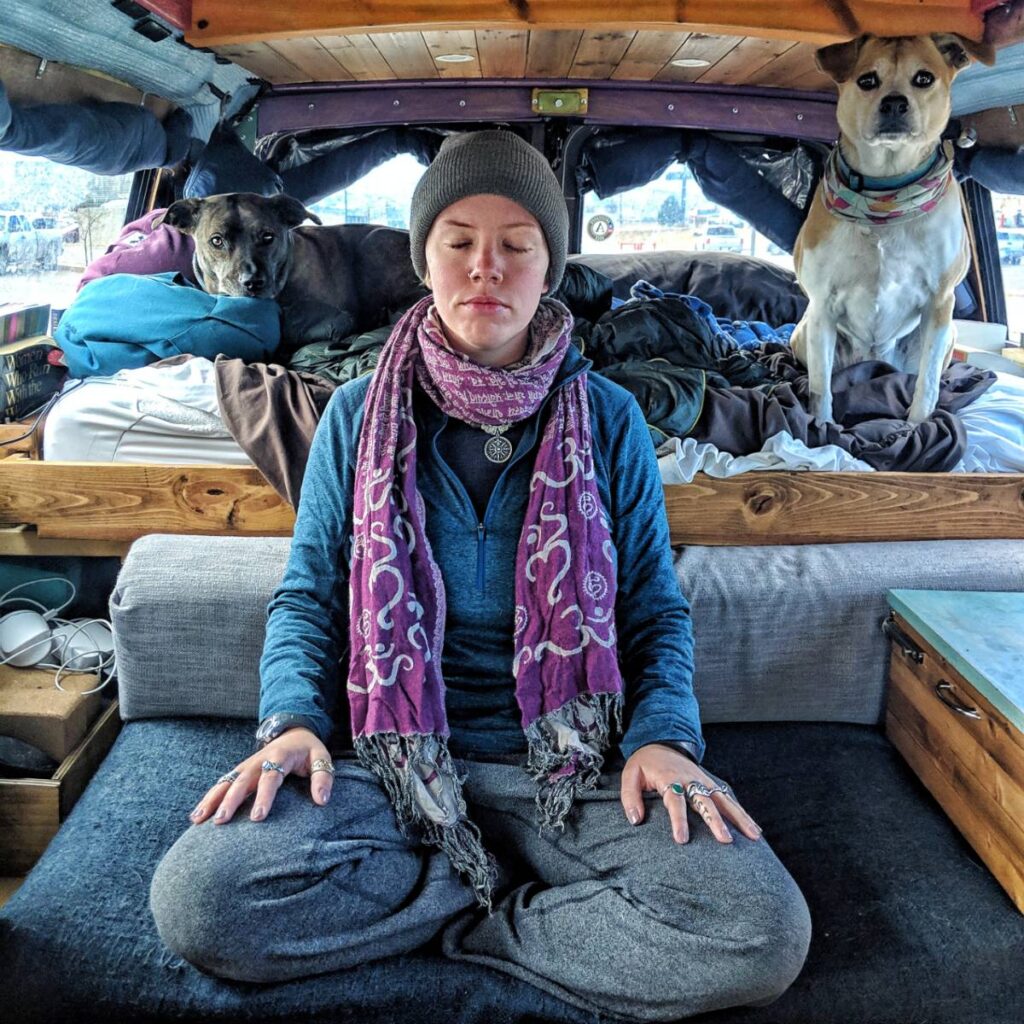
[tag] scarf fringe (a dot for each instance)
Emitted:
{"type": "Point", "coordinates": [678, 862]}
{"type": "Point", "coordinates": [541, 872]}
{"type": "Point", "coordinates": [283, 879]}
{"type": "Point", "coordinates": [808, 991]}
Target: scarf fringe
{"type": "Point", "coordinates": [563, 773]}
{"type": "Point", "coordinates": [458, 837]}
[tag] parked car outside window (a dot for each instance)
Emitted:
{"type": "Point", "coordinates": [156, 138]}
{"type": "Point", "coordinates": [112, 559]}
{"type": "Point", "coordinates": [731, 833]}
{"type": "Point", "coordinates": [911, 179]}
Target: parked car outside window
{"type": "Point", "coordinates": [54, 220]}
{"type": "Point", "coordinates": [722, 238]}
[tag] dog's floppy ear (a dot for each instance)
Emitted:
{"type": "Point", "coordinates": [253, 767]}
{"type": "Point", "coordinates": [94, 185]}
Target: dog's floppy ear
{"type": "Point", "coordinates": [183, 215]}
{"type": "Point", "coordinates": [839, 59]}
{"type": "Point", "coordinates": [291, 211]}
{"type": "Point", "coordinates": [957, 51]}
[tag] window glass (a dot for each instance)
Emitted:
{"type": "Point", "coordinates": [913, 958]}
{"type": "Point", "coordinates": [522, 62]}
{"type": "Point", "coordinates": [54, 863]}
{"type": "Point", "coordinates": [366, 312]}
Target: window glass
{"type": "Point", "coordinates": [670, 212]}
{"type": "Point", "coordinates": [380, 197]}
{"type": "Point", "coordinates": [53, 221]}
{"type": "Point", "coordinates": [1009, 214]}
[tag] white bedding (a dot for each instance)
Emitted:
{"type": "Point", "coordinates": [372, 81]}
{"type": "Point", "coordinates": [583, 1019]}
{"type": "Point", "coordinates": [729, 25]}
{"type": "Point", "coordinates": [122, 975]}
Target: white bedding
{"type": "Point", "coordinates": [995, 429]}
{"type": "Point", "coordinates": [681, 459]}
{"type": "Point", "coordinates": [165, 414]}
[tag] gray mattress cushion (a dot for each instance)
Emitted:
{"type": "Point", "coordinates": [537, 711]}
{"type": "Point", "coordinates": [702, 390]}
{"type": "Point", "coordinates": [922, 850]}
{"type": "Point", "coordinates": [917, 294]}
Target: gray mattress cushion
{"type": "Point", "coordinates": [786, 633]}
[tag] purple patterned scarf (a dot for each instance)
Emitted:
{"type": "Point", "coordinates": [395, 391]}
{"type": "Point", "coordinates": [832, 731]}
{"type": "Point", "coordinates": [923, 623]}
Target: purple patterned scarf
{"type": "Point", "coordinates": [568, 683]}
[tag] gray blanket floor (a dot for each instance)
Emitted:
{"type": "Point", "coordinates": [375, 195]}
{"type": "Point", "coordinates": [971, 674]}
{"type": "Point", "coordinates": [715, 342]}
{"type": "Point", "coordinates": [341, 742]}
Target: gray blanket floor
{"type": "Point", "coordinates": [909, 926]}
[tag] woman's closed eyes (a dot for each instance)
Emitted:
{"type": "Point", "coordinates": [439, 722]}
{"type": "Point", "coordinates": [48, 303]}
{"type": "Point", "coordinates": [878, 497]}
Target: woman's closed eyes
{"type": "Point", "coordinates": [508, 245]}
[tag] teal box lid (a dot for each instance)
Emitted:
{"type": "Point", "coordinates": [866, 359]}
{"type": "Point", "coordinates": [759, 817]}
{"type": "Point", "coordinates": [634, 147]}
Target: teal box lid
{"type": "Point", "coordinates": [980, 633]}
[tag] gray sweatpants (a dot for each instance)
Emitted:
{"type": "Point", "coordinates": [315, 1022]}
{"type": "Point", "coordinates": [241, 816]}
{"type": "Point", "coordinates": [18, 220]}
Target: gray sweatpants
{"type": "Point", "coordinates": [607, 916]}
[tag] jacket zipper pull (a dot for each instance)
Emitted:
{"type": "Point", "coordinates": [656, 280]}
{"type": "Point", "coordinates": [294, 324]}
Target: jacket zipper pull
{"type": "Point", "coordinates": [481, 536]}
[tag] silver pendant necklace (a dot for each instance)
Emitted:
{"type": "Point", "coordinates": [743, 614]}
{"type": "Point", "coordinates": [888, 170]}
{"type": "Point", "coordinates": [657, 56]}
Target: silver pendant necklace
{"type": "Point", "coordinates": [497, 448]}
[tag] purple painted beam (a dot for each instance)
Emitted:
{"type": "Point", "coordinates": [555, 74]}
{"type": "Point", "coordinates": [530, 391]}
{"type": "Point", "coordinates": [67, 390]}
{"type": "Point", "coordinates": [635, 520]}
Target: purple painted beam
{"type": "Point", "coordinates": [727, 108]}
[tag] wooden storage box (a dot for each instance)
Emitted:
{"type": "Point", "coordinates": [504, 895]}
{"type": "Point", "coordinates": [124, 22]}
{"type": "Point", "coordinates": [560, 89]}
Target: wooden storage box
{"type": "Point", "coordinates": [955, 711]}
{"type": "Point", "coordinates": [34, 710]}
{"type": "Point", "coordinates": [31, 810]}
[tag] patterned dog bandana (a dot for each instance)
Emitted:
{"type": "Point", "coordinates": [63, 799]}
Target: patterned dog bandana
{"type": "Point", "coordinates": [878, 201]}
{"type": "Point", "coordinates": [568, 683]}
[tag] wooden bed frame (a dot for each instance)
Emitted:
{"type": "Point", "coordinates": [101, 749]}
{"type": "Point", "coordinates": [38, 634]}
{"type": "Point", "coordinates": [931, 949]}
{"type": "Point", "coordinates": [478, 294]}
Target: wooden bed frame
{"type": "Point", "coordinates": [100, 508]}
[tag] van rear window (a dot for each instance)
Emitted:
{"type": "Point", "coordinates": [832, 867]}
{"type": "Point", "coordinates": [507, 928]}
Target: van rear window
{"type": "Point", "coordinates": [1009, 215]}
{"type": "Point", "coordinates": [670, 212]}
{"type": "Point", "coordinates": [380, 197]}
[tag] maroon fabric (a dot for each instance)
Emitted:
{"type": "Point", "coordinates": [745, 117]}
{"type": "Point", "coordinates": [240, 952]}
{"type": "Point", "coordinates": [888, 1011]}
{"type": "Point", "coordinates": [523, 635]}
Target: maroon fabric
{"type": "Point", "coordinates": [272, 412]}
{"type": "Point", "coordinates": [143, 249]}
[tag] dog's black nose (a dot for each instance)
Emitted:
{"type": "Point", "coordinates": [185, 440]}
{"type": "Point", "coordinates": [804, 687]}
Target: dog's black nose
{"type": "Point", "coordinates": [893, 105]}
{"type": "Point", "coordinates": [253, 284]}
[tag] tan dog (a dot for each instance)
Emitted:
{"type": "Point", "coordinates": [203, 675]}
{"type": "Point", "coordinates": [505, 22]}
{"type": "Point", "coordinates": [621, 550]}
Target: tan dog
{"type": "Point", "coordinates": [884, 244]}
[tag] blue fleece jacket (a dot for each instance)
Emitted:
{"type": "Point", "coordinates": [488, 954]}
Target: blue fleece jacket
{"type": "Point", "coordinates": [308, 614]}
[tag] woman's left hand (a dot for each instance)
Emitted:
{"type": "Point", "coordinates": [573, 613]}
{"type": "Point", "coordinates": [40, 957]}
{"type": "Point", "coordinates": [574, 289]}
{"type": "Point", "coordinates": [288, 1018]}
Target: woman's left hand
{"type": "Point", "coordinates": [656, 767]}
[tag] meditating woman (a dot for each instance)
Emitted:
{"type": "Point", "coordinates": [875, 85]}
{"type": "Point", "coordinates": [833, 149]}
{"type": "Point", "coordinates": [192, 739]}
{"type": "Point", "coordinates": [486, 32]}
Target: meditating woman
{"type": "Point", "coordinates": [481, 543]}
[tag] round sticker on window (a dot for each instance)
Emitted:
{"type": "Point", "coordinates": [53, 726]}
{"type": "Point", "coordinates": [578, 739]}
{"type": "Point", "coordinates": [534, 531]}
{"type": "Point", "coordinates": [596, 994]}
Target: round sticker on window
{"type": "Point", "coordinates": [600, 227]}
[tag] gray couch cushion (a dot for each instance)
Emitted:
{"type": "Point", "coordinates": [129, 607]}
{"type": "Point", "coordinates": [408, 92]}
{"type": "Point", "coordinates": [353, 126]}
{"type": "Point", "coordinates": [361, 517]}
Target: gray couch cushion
{"type": "Point", "coordinates": [189, 616]}
{"type": "Point", "coordinates": [786, 633]}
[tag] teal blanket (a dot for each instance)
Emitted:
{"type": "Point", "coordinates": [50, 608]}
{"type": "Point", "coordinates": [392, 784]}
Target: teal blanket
{"type": "Point", "coordinates": [126, 320]}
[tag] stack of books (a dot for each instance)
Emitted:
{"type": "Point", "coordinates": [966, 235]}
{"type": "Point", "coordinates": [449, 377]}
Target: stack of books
{"type": "Point", "coordinates": [27, 377]}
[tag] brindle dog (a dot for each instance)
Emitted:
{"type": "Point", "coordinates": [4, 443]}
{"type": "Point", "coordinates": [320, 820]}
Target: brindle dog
{"type": "Point", "coordinates": [243, 240]}
{"type": "Point", "coordinates": [330, 281]}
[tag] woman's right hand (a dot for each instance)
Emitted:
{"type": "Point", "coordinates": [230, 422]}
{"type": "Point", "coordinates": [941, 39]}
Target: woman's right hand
{"type": "Point", "coordinates": [295, 750]}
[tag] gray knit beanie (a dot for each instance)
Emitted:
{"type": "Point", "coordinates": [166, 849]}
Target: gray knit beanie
{"type": "Point", "coordinates": [491, 163]}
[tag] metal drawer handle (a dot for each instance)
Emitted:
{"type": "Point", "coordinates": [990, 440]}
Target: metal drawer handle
{"type": "Point", "coordinates": [897, 636]}
{"type": "Point", "coordinates": [954, 705]}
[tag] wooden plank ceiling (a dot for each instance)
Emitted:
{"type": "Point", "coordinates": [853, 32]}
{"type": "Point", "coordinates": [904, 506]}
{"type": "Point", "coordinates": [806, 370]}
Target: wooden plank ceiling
{"type": "Point", "coordinates": [539, 53]}
{"type": "Point", "coordinates": [755, 42]}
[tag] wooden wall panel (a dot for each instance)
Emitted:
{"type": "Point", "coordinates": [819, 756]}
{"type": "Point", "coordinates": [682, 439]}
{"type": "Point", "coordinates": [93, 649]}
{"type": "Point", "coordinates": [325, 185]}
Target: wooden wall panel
{"type": "Point", "coordinates": [795, 62]}
{"type": "Point", "coordinates": [550, 54]}
{"type": "Point", "coordinates": [358, 56]}
{"type": "Point", "coordinates": [746, 56]}
{"type": "Point", "coordinates": [263, 62]}
{"type": "Point", "coordinates": [648, 53]}
{"type": "Point", "coordinates": [700, 46]}
{"type": "Point", "coordinates": [817, 508]}
{"type": "Point", "coordinates": [502, 52]}
{"type": "Point", "coordinates": [598, 54]}
{"type": "Point", "coordinates": [815, 79]}
{"type": "Point", "coordinates": [454, 42]}
{"type": "Point", "coordinates": [406, 53]}
{"type": "Point", "coordinates": [316, 63]}
{"type": "Point", "coordinates": [120, 501]}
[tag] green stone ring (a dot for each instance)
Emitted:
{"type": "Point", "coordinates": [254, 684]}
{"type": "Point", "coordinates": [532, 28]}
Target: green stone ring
{"type": "Point", "coordinates": [677, 787]}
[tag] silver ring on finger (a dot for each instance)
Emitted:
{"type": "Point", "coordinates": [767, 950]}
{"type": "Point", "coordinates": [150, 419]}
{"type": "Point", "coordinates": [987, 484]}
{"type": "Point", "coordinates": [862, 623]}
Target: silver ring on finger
{"type": "Point", "coordinates": [321, 764]}
{"type": "Point", "coordinates": [696, 789]}
{"type": "Point", "coordinates": [723, 788]}
{"type": "Point", "coordinates": [676, 787]}
{"type": "Point", "coordinates": [229, 776]}
{"type": "Point", "coordinates": [272, 766]}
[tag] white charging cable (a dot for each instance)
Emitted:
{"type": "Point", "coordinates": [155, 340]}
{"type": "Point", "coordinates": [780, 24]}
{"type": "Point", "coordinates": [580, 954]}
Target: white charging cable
{"type": "Point", "coordinates": [70, 658]}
